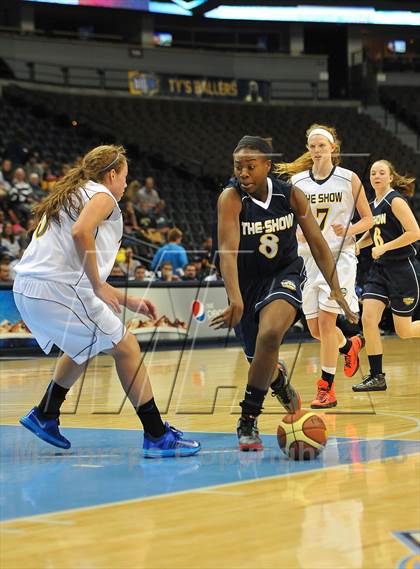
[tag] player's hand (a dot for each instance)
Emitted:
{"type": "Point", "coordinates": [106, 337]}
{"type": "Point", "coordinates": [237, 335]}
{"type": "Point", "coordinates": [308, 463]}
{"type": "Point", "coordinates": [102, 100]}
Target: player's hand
{"type": "Point", "coordinates": [338, 296]}
{"type": "Point", "coordinates": [229, 318]}
{"type": "Point", "coordinates": [339, 229]}
{"type": "Point", "coordinates": [357, 249]}
{"type": "Point", "coordinates": [141, 306]}
{"type": "Point", "coordinates": [108, 294]}
{"type": "Point", "coordinates": [378, 251]}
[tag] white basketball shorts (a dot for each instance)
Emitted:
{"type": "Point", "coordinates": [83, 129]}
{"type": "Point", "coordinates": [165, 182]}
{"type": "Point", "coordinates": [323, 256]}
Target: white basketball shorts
{"type": "Point", "coordinates": [72, 318]}
{"type": "Point", "coordinates": [316, 291]}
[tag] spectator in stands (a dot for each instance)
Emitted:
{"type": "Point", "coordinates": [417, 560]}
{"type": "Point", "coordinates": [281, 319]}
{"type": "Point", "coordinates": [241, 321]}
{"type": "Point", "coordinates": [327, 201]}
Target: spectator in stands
{"type": "Point", "coordinates": [144, 216]}
{"type": "Point", "coordinates": [26, 236]}
{"type": "Point", "coordinates": [50, 178]}
{"type": "Point", "coordinates": [148, 194]}
{"type": "Point", "coordinates": [17, 227]}
{"type": "Point", "coordinates": [190, 272]}
{"type": "Point", "coordinates": [207, 248]}
{"type": "Point", "coordinates": [147, 225]}
{"type": "Point", "coordinates": [4, 184]}
{"type": "Point", "coordinates": [204, 269]}
{"type": "Point", "coordinates": [129, 265]}
{"type": "Point", "coordinates": [33, 166]}
{"type": "Point", "coordinates": [129, 217]}
{"type": "Point", "coordinates": [34, 181]}
{"type": "Point", "coordinates": [161, 220]}
{"type": "Point", "coordinates": [2, 219]}
{"type": "Point", "coordinates": [140, 274]}
{"type": "Point", "coordinates": [197, 263]}
{"type": "Point", "coordinates": [5, 274]}
{"type": "Point", "coordinates": [116, 273]}
{"type": "Point", "coordinates": [203, 261]}
{"type": "Point", "coordinates": [173, 252]}
{"type": "Point", "coordinates": [132, 191]}
{"type": "Point", "coordinates": [7, 171]}
{"type": "Point", "coordinates": [167, 273]}
{"type": "Point", "coordinates": [9, 242]}
{"type": "Point", "coordinates": [21, 196]}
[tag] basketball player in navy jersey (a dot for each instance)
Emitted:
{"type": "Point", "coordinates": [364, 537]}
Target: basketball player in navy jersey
{"type": "Point", "coordinates": [392, 279]}
{"type": "Point", "coordinates": [263, 273]}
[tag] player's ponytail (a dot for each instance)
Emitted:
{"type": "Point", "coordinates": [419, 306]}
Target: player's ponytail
{"type": "Point", "coordinates": [305, 162]}
{"type": "Point", "coordinates": [404, 184]}
{"type": "Point", "coordinates": [66, 193]}
{"type": "Point", "coordinates": [289, 169]}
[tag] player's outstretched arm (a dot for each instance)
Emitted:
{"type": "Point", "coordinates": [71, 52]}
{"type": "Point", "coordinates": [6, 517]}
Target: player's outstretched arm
{"type": "Point", "coordinates": [228, 209]}
{"type": "Point", "coordinates": [319, 249]}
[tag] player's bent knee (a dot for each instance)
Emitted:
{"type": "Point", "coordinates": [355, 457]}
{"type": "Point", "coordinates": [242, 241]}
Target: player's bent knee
{"type": "Point", "coordinates": [327, 322]}
{"type": "Point", "coordinates": [315, 334]}
{"type": "Point", "coordinates": [126, 346]}
{"type": "Point", "coordinates": [370, 319]}
{"type": "Point", "coordinates": [271, 338]}
{"type": "Point", "coordinates": [314, 328]}
{"type": "Point", "coordinates": [403, 332]}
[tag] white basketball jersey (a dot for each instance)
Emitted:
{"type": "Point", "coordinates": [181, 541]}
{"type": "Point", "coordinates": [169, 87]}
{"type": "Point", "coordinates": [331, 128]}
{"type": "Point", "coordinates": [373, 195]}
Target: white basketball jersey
{"type": "Point", "coordinates": [52, 255]}
{"type": "Point", "coordinates": [331, 201]}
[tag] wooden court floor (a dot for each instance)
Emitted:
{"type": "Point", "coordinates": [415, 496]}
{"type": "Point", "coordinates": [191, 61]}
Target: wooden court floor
{"type": "Point", "coordinates": [358, 507]}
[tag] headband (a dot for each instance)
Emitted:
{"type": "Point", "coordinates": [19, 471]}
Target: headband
{"type": "Point", "coordinates": [254, 143]}
{"type": "Point", "coordinates": [112, 163]}
{"type": "Point", "coordinates": [322, 132]}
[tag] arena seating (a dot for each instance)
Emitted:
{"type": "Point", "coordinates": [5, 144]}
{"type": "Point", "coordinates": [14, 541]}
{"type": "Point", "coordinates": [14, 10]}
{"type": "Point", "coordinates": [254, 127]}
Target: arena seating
{"type": "Point", "coordinates": [170, 138]}
{"type": "Point", "coordinates": [404, 102]}
{"type": "Point", "coordinates": [190, 200]}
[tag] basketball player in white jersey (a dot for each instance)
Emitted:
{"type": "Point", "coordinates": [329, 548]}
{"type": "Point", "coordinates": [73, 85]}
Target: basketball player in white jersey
{"type": "Point", "coordinates": [62, 295]}
{"type": "Point", "coordinates": [333, 195]}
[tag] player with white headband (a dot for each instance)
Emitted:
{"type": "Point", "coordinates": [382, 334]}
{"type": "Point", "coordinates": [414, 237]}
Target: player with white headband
{"type": "Point", "coordinates": [333, 194]}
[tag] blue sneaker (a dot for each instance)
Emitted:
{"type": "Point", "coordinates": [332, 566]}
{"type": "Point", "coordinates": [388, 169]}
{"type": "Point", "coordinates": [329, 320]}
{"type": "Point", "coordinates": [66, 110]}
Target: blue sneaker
{"type": "Point", "coordinates": [169, 444]}
{"type": "Point", "coordinates": [45, 429]}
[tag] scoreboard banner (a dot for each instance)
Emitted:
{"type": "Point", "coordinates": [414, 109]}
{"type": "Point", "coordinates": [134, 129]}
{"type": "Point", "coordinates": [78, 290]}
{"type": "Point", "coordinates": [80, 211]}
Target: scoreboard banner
{"type": "Point", "coordinates": [193, 87]}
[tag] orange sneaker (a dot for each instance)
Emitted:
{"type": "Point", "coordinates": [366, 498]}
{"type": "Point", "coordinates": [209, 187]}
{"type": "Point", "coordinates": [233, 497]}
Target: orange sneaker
{"type": "Point", "coordinates": [325, 398]}
{"type": "Point", "coordinates": [351, 360]}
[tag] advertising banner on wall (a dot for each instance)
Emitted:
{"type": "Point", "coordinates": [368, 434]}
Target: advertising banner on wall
{"type": "Point", "coordinates": [152, 84]}
{"type": "Point", "coordinates": [183, 314]}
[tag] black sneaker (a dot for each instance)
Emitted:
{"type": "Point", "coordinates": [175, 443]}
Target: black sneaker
{"type": "Point", "coordinates": [248, 434]}
{"type": "Point", "coordinates": [284, 391]}
{"type": "Point", "coordinates": [371, 383]}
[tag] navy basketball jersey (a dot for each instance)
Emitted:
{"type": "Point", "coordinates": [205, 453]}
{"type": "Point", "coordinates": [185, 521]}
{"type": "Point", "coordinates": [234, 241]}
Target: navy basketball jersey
{"type": "Point", "coordinates": [386, 227]}
{"type": "Point", "coordinates": [268, 231]}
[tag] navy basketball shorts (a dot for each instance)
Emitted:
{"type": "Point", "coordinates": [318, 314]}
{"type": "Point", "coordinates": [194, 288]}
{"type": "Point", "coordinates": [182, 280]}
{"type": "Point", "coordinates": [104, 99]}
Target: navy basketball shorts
{"type": "Point", "coordinates": [257, 293]}
{"type": "Point", "coordinates": [395, 284]}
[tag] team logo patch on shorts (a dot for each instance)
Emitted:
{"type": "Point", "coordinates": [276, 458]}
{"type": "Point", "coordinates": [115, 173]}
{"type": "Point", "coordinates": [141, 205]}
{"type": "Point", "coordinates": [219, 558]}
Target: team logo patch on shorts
{"type": "Point", "coordinates": [408, 300]}
{"type": "Point", "coordinates": [288, 284]}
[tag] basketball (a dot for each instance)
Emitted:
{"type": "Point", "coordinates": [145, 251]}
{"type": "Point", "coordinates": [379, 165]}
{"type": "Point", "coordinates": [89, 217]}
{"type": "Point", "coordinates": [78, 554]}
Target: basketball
{"type": "Point", "coordinates": [302, 435]}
